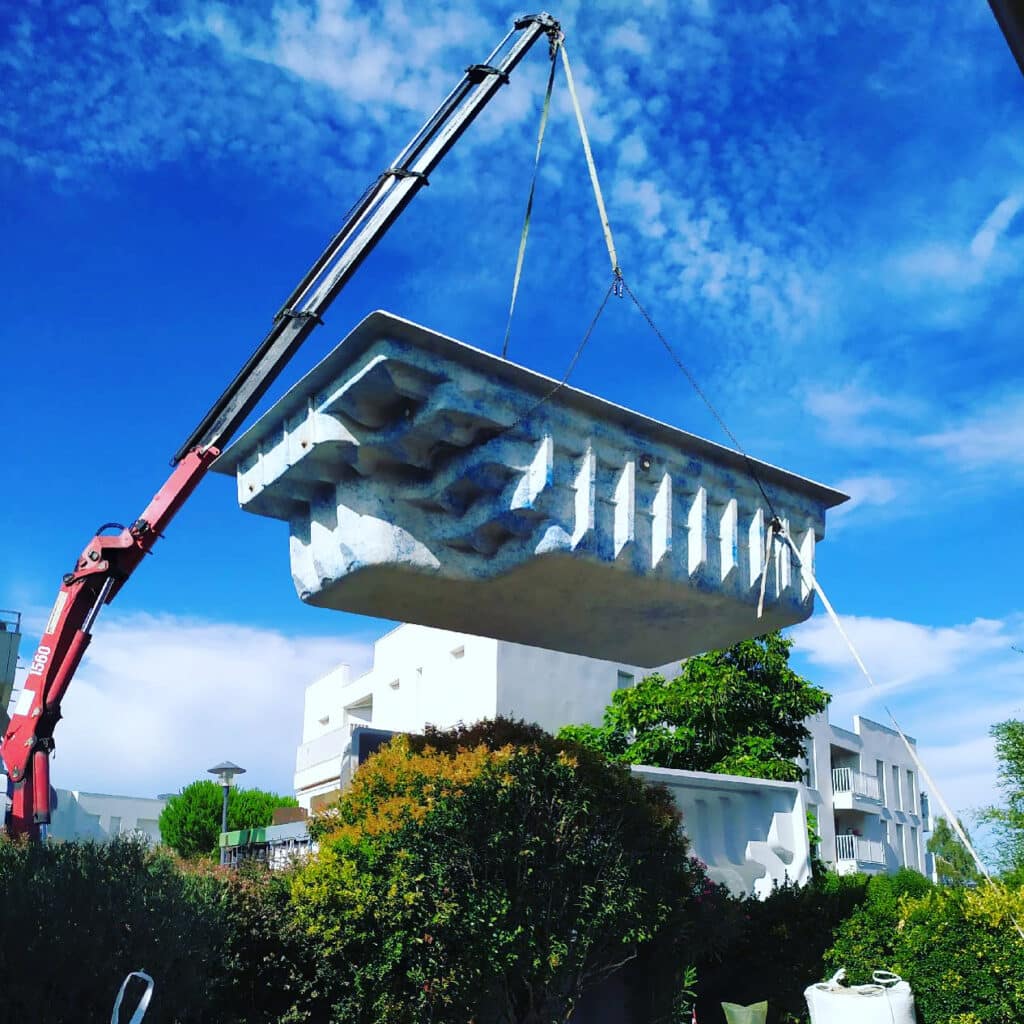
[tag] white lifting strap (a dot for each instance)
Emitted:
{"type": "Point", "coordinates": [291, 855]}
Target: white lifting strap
{"type": "Point", "coordinates": [545, 110]}
{"type": "Point", "coordinates": [605, 223]}
{"type": "Point", "coordinates": [143, 1004]}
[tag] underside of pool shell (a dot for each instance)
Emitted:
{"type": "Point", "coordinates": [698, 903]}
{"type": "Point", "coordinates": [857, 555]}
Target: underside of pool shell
{"type": "Point", "coordinates": [427, 481]}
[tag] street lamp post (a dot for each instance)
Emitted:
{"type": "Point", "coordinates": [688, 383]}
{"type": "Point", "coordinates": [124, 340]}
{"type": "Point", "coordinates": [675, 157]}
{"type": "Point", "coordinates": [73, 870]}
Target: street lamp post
{"type": "Point", "coordinates": [225, 772]}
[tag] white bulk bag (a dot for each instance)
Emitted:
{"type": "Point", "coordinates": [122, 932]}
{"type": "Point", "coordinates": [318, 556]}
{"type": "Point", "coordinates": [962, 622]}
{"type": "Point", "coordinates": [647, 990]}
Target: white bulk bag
{"type": "Point", "coordinates": [888, 1001]}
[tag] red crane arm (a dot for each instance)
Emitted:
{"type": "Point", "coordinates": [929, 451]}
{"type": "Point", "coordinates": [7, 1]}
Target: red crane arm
{"type": "Point", "coordinates": [105, 565]}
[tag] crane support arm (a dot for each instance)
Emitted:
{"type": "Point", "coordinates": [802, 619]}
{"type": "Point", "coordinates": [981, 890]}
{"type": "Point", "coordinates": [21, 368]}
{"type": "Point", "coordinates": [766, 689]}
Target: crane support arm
{"type": "Point", "coordinates": [110, 558]}
{"type": "Point", "coordinates": [103, 567]}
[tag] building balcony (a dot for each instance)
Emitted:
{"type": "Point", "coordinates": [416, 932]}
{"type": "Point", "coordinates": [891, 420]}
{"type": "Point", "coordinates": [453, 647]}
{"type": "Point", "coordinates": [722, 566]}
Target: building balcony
{"type": "Point", "coordinates": [435, 483]}
{"type": "Point", "coordinates": [322, 760]}
{"type": "Point", "coordinates": [852, 790]}
{"type": "Point", "coordinates": [854, 853]}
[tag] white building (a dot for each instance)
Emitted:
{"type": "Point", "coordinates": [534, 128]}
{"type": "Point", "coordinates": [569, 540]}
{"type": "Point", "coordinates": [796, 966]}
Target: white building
{"type": "Point", "coordinates": [872, 815]}
{"type": "Point", "coordinates": [860, 784]}
{"type": "Point", "coordinates": [104, 816]}
{"type": "Point", "coordinates": [422, 675]}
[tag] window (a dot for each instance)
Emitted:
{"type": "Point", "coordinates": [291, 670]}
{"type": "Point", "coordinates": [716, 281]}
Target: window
{"type": "Point", "coordinates": [359, 712]}
{"type": "Point", "coordinates": [880, 772]}
{"type": "Point", "coordinates": [812, 768]}
{"type": "Point", "coordinates": [910, 791]}
{"type": "Point", "coordinates": [901, 856]}
{"type": "Point", "coordinates": [115, 825]}
{"type": "Point", "coordinates": [895, 794]}
{"type": "Point", "coordinates": [625, 680]}
{"type": "Point", "coordinates": [912, 851]}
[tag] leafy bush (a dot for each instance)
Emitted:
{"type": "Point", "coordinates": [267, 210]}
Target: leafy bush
{"type": "Point", "coordinates": [865, 942]}
{"type": "Point", "coordinates": [190, 823]}
{"type": "Point", "coordinates": [267, 968]}
{"type": "Point", "coordinates": [78, 917]}
{"type": "Point", "coordinates": [488, 873]}
{"type": "Point", "coordinates": [957, 947]}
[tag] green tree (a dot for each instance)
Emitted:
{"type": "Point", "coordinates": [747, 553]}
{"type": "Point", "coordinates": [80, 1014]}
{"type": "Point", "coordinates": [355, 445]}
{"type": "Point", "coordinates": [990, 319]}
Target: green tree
{"type": "Point", "coordinates": [1007, 819]}
{"type": "Point", "coordinates": [954, 864]}
{"type": "Point", "coordinates": [490, 873]}
{"type": "Point", "coordinates": [190, 823]}
{"type": "Point", "coordinates": [739, 711]}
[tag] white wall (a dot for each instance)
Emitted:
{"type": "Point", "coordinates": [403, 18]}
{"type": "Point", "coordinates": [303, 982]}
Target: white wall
{"type": "Point", "coordinates": [898, 808]}
{"type": "Point", "coordinates": [321, 713]}
{"type": "Point", "coordinates": [751, 833]}
{"type": "Point", "coordinates": [102, 816]}
{"type": "Point", "coordinates": [555, 689]}
{"type": "Point", "coordinates": [442, 678]}
{"type": "Point", "coordinates": [419, 676]}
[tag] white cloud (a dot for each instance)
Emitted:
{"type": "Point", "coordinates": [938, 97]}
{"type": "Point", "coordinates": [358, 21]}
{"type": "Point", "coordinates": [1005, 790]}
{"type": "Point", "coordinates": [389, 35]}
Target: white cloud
{"type": "Point", "coordinates": [899, 653]}
{"type": "Point", "coordinates": [962, 266]}
{"type": "Point", "coordinates": [967, 773]}
{"type": "Point", "coordinates": [984, 242]}
{"type": "Point", "coordinates": [632, 150]}
{"type": "Point", "coordinates": [989, 436]}
{"type": "Point", "coordinates": [993, 437]}
{"type": "Point", "coordinates": [853, 416]}
{"type": "Point", "coordinates": [644, 199]}
{"type": "Point", "coordinates": [870, 490]}
{"type": "Point", "coordinates": [366, 57]}
{"type": "Point", "coordinates": [946, 686]}
{"type": "Point", "coordinates": [628, 37]}
{"type": "Point", "coordinates": [159, 699]}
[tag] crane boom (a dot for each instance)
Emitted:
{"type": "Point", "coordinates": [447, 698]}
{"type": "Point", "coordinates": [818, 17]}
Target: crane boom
{"type": "Point", "coordinates": [109, 559]}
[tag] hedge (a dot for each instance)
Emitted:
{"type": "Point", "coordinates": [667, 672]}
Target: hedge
{"type": "Point", "coordinates": [77, 917]}
{"type": "Point", "coordinates": [957, 947]}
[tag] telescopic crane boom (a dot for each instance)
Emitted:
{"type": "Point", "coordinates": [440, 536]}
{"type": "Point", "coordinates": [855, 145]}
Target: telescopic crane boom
{"type": "Point", "coordinates": [112, 555]}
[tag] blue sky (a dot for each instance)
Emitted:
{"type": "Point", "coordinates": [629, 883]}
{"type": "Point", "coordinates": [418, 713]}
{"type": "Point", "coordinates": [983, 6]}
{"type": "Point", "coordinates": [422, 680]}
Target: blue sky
{"type": "Point", "coordinates": [821, 203]}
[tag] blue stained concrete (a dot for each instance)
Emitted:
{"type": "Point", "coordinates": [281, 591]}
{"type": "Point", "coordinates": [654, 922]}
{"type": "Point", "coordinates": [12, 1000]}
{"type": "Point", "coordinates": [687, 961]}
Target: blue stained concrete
{"type": "Point", "coordinates": [423, 482]}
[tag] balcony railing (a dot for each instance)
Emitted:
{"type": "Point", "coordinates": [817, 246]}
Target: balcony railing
{"type": "Point", "coordinates": [846, 780]}
{"type": "Point", "coordinates": [863, 851]}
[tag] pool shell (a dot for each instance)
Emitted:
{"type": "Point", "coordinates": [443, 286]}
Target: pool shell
{"type": "Point", "coordinates": [428, 481]}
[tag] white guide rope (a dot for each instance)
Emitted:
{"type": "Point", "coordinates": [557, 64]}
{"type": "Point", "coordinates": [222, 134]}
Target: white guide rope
{"type": "Point", "coordinates": [811, 580]}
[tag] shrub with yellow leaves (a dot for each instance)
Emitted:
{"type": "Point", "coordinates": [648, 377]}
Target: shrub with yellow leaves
{"type": "Point", "coordinates": [958, 947]}
{"type": "Point", "coordinates": [487, 873]}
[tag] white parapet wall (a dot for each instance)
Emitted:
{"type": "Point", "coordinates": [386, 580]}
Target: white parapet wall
{"type": "Point", "coordinates": [77, 815]}
{"type": "Point", "coordinates": [751, 833]}
{"type": "Point", "coordinates": [428, 481]}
